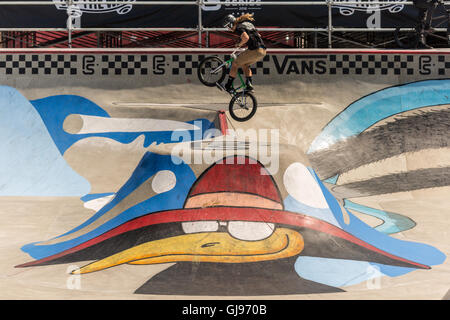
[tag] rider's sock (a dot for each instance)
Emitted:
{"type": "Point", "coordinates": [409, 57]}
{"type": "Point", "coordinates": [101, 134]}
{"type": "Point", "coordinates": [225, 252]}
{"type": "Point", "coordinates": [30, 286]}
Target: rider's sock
{"type": "Point", "coordinates": [229, 84]}
{"type": "Point", "coordinates": [249, 80]}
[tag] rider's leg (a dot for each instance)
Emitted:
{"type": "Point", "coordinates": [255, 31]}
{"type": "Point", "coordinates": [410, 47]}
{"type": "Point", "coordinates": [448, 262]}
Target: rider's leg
{"type": "Point", "coordinates": [238, 63]}
{"type": "Point", "coordinates": [233, 70]}
{"type": "Point", "coordinates": [231, 76]}
{"type": "Point", "coordinates": [247, 70]}
{"type": "Point", "coordinates": [251, 57]}
{"type": "Point", "coordinates": [248, 74]}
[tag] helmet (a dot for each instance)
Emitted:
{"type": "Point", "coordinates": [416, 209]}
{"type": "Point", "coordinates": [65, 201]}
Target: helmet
{"type": "Point", "coordinates": [229, 21]}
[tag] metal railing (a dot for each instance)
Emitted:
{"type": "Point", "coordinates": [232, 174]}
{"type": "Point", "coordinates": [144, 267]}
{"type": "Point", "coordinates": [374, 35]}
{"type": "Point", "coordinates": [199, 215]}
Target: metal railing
{"type": "Point", "coordinates": [70, 28]}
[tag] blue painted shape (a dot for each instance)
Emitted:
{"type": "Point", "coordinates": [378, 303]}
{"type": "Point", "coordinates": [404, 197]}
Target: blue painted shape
{"type": "Point", "coordinates": [392, 222]}
{"type": "Point", "coordinates": [30, 163]}
{"type": "Point", "coordinates": [370, 109]}
{"type": "Point", "coordinates": [341, 272]}
{"type": "Point", "coordinates": [291, 204]}
{"type": "Point", "coordinates": [332, 180]}
{"type": "Point", "coordinates": [356, 118]}
{"type": "Point", "coordinates": [55, 109]}
{"type": "Point", "coordinates": [414, 251]}
{"type": "Point", "coordinates": [150, 164]}
{"type": "Point", "coordinates": [93, 196]}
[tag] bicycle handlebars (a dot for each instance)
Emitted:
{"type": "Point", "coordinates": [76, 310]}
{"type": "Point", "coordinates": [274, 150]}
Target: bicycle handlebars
{"type": "Point", "coordinates": [233, 54]}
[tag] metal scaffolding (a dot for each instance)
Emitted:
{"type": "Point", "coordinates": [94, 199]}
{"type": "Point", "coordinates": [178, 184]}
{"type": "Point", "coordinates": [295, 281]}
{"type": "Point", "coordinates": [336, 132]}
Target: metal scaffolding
{"type": "Point", "coordinates": [333, 34]}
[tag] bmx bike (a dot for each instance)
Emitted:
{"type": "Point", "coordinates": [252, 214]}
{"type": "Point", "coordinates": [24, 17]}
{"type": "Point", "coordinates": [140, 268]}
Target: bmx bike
{"type": "Point", "coordinates": [212, 71]}
{"type": "Point", "coordinates": [411, 39]}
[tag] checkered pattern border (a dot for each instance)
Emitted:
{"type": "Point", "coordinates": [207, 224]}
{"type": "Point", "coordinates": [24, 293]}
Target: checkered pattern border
{"type": "Point", "coordinates": [444, 65]}
{"type": "Point", "coordinates": [43, 64]}
{"type": "Point", "coordinates": [124, 64]}
{"type": "Point", "coordinates": [185, 64]}
{"type": "Point", "coordinates": [371, 64]}
{"type": "Point", "coordinates": [38, 64]}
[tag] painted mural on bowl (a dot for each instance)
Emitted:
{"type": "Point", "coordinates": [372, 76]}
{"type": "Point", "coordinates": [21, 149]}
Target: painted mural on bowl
{"type": "Point", "coordinates": [234, 228]}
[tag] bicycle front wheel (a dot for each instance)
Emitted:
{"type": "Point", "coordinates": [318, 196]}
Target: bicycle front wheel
{"type": "Point", "coordinates": [211, 70]}
{"type": "Point", "coordinates": [243, 106]}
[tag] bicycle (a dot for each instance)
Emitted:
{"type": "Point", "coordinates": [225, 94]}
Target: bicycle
{"type": "Point", "coordinates": [412, 39]}
{"type": "Point", "coordinates": [211, 72]}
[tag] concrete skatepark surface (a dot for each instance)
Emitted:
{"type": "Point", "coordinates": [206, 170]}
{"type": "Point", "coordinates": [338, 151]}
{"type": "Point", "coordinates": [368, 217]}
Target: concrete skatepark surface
{"type": "Point", "coordinates": [352, 169]}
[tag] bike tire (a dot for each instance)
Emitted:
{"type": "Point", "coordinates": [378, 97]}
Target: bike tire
{"type": "Point", "coordinates": [252, 108]}
{"type": "Point", "coordinates": [408, 41]}
{"type": "Point", "coordinates": [204, 66]}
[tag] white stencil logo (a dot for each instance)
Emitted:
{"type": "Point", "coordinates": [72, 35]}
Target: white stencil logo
{"type": "Point", "coordinates": [97, 6]}
{"type": "Point", "coordinates": [366, 5]}
{"type": "Point", "coordinates": [211, 5]}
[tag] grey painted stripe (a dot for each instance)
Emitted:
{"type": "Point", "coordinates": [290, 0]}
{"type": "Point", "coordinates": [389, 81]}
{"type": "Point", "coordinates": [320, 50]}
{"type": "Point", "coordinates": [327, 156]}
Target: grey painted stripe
{"type": "Point", "coordinates": [422, 130]}
{"type": "Point", "coordinates": [401, 182]}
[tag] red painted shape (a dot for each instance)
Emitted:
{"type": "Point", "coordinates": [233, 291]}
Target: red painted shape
{"type": "Point", "coordinates": [223, 122]}
{"type": "Point", "coordinates": [237, 174]}
{"type": "Point", "coordinates": [228, 214]}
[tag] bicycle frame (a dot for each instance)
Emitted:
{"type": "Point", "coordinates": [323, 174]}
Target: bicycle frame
{"type": "Point", "coordinates": [228, 64]}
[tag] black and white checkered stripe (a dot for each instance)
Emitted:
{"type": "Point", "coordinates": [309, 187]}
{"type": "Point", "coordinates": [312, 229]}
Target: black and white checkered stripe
{"type": "Point", "coordinates": [43, 64]}
{"type": "Point", "coordinates": [124, 65]}
{"type": "Point", "coordinates": [370, 64]}
{"type": "Point", "coordinates": [185, 64]}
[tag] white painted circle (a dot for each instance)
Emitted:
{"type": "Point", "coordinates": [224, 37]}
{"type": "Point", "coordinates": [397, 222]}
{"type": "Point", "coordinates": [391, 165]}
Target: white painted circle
{"type": "Point", "coordinates": [250, 230]}
{"type": "Point", "coordinates": [200, 226]}
{"type": "Point", "coordinates": [302, 186]}
{"type": "Point", "coordinates": [164, 181]}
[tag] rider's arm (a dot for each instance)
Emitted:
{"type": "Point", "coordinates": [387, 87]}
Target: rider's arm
{"type": "Point", "coordinates": [244, 39]}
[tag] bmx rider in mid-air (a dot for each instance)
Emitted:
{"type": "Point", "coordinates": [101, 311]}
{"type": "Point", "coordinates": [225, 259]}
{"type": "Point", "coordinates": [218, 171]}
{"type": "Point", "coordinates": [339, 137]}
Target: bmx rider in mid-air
{"type": "Point", "coordinates": [256, 50]}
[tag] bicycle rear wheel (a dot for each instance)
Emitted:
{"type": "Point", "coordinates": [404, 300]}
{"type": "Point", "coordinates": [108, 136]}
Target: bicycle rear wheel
{"type": "Point", "coordinates": [408, 40]}
{"type": "Point", "coordinates": [243, 106]}
{"type": "Point", "coordinates": [211, 70]}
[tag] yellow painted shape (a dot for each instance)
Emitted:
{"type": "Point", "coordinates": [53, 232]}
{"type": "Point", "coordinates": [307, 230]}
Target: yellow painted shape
{"type": "Point", "coordinates": [205, 247]}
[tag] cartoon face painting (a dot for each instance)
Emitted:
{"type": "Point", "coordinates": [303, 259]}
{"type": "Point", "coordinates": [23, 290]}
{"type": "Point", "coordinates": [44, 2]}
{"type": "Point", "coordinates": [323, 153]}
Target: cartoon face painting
{"type": "Point", "coordinates": [231, 228]}
{"type": "Point", "coordinates": [232, 221]}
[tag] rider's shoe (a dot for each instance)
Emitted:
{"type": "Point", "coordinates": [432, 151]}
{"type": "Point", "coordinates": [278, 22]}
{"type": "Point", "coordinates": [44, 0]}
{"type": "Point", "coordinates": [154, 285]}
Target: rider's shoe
{"type": "Point", "coordinates": [249, 87]}
{"type": "Point", "coordinates": [229, 87]}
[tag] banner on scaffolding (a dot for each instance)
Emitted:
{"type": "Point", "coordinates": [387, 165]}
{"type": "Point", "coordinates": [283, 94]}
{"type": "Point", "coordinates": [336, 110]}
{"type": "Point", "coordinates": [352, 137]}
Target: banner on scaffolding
{"type": "Point", "coordinates": [98, 14]}
{"type": "Point", "coordinates": [131, 14]}
{"type": "Point", "coordinates": [344, 13]}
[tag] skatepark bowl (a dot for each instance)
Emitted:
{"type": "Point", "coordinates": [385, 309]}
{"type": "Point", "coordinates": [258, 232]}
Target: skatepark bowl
{"type": "Point", "coordinates": [123, 177]}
